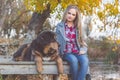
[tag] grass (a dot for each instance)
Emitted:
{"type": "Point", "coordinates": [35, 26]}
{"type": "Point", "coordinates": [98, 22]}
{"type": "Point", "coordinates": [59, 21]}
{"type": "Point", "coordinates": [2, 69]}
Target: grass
{"type": "Point", "coordinates": [1, 77]}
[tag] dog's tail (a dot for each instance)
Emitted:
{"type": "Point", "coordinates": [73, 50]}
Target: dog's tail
{"type": "Point", "coordinates": [19, 52]}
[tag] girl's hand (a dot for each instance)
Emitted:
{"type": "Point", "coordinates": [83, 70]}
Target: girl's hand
{"type": "Point", "coordinates": [81, 52]}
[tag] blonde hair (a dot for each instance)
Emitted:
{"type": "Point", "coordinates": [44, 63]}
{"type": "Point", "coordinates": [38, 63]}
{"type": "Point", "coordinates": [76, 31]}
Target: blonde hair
{"type": "Point", "coordinates": [77, 21]}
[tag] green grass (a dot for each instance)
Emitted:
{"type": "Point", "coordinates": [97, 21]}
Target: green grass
{"type": "Point", "coordinates": [1, 77]}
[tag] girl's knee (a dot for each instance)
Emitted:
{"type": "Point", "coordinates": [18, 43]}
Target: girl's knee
{"type": "Point", "coordinates": [71, 58]}
{"type": "Point", "coordinates": [74, 60]}
{"type": "Point", "coordinates": [84, 62]}
{"type": "Point", "coordinates": [85, 59]}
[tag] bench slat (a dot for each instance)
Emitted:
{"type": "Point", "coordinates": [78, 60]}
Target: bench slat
{"type": "Point", "coordinates": [12, 67]}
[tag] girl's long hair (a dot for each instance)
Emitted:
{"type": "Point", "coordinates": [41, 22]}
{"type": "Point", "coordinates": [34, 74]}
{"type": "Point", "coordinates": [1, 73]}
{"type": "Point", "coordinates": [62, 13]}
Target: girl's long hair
{"type": "Point", "coordinates": [77, 22]}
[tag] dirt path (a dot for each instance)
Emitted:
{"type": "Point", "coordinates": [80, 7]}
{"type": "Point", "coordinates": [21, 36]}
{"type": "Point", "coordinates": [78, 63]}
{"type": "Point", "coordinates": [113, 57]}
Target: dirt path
{"type": "Point", "coordinates": [105, 72]}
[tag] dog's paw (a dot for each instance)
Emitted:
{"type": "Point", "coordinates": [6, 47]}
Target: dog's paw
{"type": "Point", "coordinates": [39, 70]}
{"type": "Point", "coordinates": [63, 77]}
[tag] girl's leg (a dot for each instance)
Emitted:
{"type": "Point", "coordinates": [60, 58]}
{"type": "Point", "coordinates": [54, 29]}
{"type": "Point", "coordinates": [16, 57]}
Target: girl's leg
{"type": "Point", "coordinates": [84, 63]}
{"type": "Point", "coordinates": [72, 60]}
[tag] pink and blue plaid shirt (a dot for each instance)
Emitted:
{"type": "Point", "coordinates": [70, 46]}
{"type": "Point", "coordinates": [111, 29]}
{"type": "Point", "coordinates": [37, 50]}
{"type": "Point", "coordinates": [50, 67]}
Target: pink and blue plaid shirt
{"type": "Point", "coordinates": [71, 45]}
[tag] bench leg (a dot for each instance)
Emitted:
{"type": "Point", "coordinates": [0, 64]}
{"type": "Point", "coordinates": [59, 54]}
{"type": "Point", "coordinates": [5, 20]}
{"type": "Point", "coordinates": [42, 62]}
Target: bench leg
{"type": "Point", "coordinates": [55, 77]}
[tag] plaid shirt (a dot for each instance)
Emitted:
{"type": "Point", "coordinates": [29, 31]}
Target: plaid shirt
{"type": "Point", "coordinates": [71, 45]}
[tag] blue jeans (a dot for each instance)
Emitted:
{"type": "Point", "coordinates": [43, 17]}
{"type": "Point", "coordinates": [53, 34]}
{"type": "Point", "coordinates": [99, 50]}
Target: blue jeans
{"type": "Point", "coordinates": [77, 73]}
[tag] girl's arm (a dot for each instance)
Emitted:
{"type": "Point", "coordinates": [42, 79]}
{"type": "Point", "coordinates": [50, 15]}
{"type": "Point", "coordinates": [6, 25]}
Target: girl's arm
{"type": "Point", "coordinates": [83, 49]}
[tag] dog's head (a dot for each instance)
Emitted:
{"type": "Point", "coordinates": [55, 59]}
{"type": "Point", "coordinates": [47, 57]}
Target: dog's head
{"type": "Point", "coordinates": [45, 43]}
{"type": "Point", "coordinates": [47, 37]}
{"type": "Point", "coordinates": [50, 49]}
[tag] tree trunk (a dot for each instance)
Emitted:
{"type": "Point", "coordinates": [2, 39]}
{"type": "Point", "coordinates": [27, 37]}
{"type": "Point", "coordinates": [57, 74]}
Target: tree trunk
{"type": "Point", "coordinates": [3, 13]}
{"type": "Point", "coordinates": [38, 19]}
{"type": "Point", "coordinates": [35, 25]}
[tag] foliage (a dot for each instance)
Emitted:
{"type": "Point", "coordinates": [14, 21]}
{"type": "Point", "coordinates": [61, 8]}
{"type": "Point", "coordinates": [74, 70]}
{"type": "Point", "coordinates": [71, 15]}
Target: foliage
{"type": "Point", "coordinates": [40, 5]}
{"type": "Point", "coordinates": [1, 77]}
{"type": "Point", "coordinates": [98, 49]}
{"type": "Point", "coordinates": [110, 9]}
{"type": "Point", "coordinates": [111, 56]}
{"type": "Point", "coordinates": [113, 52]}
{"type": "Point", "coordinates": [105, 44]}
{"type": "Point", "coordinates": [86, 6]}
{"type": "Point", "coordinates": [107, 49]}
{"type": "Point", "coordinates": [17, 16]}
{"type": "Point", "coordinates": [112, 47]}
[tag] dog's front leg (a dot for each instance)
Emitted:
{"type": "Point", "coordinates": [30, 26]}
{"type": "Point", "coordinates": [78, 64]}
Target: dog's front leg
{"type": "Point", "coordinates": [38, 61]}
{"type": "Point", "coordinates": [59, 64]}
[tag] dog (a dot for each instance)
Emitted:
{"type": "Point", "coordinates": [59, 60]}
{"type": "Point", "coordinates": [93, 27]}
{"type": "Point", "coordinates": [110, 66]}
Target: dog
{"type": "Point", "coordinates": [44, 47]}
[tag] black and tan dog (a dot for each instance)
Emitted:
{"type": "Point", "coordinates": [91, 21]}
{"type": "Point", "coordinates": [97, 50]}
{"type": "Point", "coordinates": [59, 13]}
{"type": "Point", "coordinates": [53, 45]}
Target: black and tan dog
{"type": "Point", "coordinates": [45, 45]}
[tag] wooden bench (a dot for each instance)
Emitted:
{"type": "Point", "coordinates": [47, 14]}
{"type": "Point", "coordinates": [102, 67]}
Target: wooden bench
{"type": "Point", "coordinates": [12, 67]}
{"type": "Point", "coordinates": [8, 66]}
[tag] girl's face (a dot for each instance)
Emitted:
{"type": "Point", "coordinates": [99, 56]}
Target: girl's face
{"type": "Point", "coordinates": [71, 15]}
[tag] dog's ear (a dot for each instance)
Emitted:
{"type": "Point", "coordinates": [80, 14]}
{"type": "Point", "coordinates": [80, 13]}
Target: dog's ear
{"type": "Point", "coordinates": [39, 38]}
{"type": "Point", "coordinates": [55, 37]}
{"type": "Point", "coordinates": [36, 44]}
{"type": "Point", "coordinates": [36, 53]}
{"type": "Point", "coordinates": [58, 44]}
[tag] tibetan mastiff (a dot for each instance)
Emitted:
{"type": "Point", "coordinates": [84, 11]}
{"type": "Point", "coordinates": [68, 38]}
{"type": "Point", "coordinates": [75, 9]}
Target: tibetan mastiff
{"type": "Point", "coordinates": [44, 47]}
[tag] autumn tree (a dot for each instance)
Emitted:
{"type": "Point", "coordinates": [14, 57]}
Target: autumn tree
{"type": "Point", "coordinates": [110, 15]}
{"type": "Point", "coordinates": [13, 15]}
{"type": "Point", "coordinates": [43, 8]}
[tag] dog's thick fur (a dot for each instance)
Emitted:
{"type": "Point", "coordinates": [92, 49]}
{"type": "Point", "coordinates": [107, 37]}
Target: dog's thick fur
{"type": "Point", "coordinates": [45, 45]}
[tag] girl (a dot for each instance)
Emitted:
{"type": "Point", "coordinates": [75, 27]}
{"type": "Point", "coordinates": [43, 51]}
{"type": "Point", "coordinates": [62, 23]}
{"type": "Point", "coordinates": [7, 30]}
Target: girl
{"type": "Point", "coordinates": [72, 48]}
